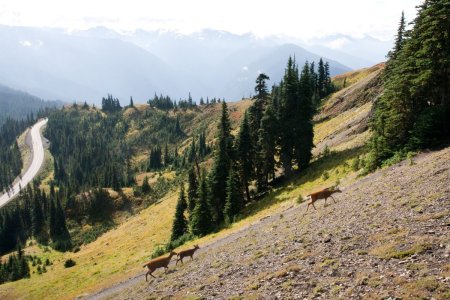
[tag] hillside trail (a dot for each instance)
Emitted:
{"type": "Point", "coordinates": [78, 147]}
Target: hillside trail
{"type": "Point", "coordinates": [388, 235]}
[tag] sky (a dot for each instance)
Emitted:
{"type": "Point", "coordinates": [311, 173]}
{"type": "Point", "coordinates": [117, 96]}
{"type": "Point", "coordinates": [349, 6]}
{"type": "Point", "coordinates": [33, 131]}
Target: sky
{"type": "Point", "coordinates": [305, 19]}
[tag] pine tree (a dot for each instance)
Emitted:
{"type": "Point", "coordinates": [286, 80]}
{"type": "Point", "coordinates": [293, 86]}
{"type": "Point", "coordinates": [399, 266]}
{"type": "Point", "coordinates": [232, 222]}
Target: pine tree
{"type": "Point", "coordinates": [412, 112]}
{"type": "Point", "coordinates": [268, 140]}
{"type": "Point", "coordinates": [131, 102]}
{"type": "Point", "coordinates": [192, 194]}
{"type": "Point", "coordinates": [145, 186]}
{"type": "Point", "coordinates": [201, 221]}
{"type": "Point", "coordinates": [245, 154]}
{"type": "Point", "coordinates": [235, 202]}
{"type": "Point", "coordinates": [222, 163]}
{"type": "Point", "coordinates": [288, 115]}
{"type": "Point", "coordinates": [179, 226]}
{"type": "Point", "coordinates": [304, 127]}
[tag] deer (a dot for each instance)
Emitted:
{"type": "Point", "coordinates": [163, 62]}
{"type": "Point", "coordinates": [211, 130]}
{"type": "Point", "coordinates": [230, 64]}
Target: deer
{"type": "Point", "coordinates": [160, 262]}
{"type": "Point", "coordinates": [184, 253]}
{"type": "Point", "coordinates": [323, 194]}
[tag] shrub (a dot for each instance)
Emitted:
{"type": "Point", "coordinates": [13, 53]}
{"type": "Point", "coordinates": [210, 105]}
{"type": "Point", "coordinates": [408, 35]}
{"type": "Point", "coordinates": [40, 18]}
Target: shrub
{"type": "Point", "coordinates": [69, 263]}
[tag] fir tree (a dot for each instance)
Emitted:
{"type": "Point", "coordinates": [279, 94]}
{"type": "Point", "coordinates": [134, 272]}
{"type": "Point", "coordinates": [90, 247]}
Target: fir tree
{"type": "Point", "coordinates": [179, 226]}
{"type": "Point", "coordinates": [245, 154]}
{"type": "Point", "coordinates": [201, 221]}
{"type": "Point", "coordinates": [412, 112]}
{"type": "Point", "coordinates": [235, 202]}
{"type": "Point", "coordinates": [222, 163]}
{"type": "Point", "coordinates": [192, 194]}
{"type": "Point", "coordinates": [131, 102]}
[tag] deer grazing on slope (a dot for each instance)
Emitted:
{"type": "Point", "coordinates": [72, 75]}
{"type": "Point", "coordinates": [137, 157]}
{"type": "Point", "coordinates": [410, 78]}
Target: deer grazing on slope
{"type": "Point", "coordinates": [184, 253]}
{"type": "Point", "coordinates": [160, 262]}
{"type": "Point", "coordinates": [323, 194]}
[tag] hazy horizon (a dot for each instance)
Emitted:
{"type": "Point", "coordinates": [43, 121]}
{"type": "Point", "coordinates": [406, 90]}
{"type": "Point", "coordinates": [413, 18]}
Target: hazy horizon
{"type": "Point", "coordinates": [303, 20]}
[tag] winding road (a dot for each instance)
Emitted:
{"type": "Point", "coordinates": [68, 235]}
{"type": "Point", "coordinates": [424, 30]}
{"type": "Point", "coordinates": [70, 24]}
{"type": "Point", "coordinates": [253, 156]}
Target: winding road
{"type": "Point", "coordinates": [36, 163]}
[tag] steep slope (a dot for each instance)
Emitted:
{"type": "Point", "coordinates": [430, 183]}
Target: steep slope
{"type": "Point", "coordinates": [119, 253]}
{"type": "Point", "coordinates": [386, 236]}
{"type": "Point", "coordinates": [343, 120]}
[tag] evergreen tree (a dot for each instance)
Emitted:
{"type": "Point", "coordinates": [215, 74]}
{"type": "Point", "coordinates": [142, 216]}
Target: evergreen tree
{"type": "Point", "coordinates": [192, 194]}
{"type": "Point", "coordinates": [414, 109]}
{"type": "Point", "coordinates": [131, 102]}
{"type": "Point", "coordinates": [245, 154]}
{"type": "Point", "coordinates": [222, 163]}
{"type": "Point", "coordinates": [201, 221]}
{"type": "Point", "coordinates": [304, 128]}
{"type": "Point", "coordinates": [235, 202]}
{"type": "Point", "coordinates": [145, 186]}
{"type": "Point", "coordinates": [268, 141]}
{"type": "Point", "coordinates": [288, 115]}
{"type": "Point", "coordinates": [179, 226]}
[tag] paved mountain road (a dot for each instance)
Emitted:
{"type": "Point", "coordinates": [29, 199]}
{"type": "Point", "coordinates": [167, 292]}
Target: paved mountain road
{"type": "Point", "coordinates": [36, 163]}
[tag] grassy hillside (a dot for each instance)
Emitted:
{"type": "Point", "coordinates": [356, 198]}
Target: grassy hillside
{"type": "Point", "coordinates": [119, 253]}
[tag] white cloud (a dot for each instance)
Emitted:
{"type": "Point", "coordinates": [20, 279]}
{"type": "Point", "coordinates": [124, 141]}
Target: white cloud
{"type": "Point", "coordinates": [245, 68]}
{"type": "Point", "coordinates": [29, 44]}
{"type": "Point", "coordinates": [300, 18]}
{"type": "Point", "coordinates": [338, 43]}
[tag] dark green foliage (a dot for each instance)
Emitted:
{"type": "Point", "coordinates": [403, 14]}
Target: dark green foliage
{"type": "Point", "coordinates": [222, 163]}
{"type": "Point", "coordinates": [235, 201]}
{"type": "Point", "coordinates": [89, 150]}
{"type": "Point", "coordinates": [161, 102]}
{"type": "Point", "coordinates": [303, 132]}
{"type": "Point", "coordinates": [131, 102]}
{"type": "Point", "coordinates": [414, 109]}
{"type": "Point", "coordinates": [145, 189]}
{"type": "Point", "coordinates": [268, 141]}
{"type": "Point", "coordinates": [69, 263]}
{"type": "Point", "coordinates": [34, 213]}
{"type": "Point", "coordinates": [201, 221]}
{"type": "Point", "coordinates": [101, 206]}
{"type": "Point", "coordinates": [10, 157]}
{"type": "Point", "coordinates": [15, 268]}
{"type": "Point", "coordinates": [288, 115]}
{"type": "Point", "coordinates": [245, 155]}
{"type": "Point", "coordinates": [295, 117]}
{"type": "Point", "coordinates": [155, 159]}
{"type": "Point", "coordinates": [179, 226]}
{"type": "Point", "coordinates": [110, 104]}
{"type": "Point", "coordinates": [192, 194]}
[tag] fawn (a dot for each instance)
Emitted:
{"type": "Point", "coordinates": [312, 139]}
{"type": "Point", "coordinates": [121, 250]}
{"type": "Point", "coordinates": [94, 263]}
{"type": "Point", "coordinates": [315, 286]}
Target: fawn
{"type": "Point", "coordinates": [184, 253]}
{"type": "Point", "coordinates": [323, 194]}
{"type": "Point", "coordinates": [160, 262]}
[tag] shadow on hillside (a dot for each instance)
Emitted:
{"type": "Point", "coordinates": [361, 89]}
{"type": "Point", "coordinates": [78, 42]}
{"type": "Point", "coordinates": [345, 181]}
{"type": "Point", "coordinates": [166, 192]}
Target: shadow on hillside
{"type": "Point", "coordinates": [314, 171]}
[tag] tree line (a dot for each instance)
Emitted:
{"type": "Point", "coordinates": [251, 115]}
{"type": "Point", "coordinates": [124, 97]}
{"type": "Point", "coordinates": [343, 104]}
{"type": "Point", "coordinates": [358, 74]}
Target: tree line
{"type": "Point", "coordinates": [277, 125]}
{"type": "Point", "coordinates": [414, 110]}
{"type": "Point", "coordinates": [10, 158]}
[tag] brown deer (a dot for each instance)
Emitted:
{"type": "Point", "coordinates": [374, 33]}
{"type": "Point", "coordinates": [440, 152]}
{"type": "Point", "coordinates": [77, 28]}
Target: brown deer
{"type": "Point", "coordinates": [323, 194]}
{"type": "Point", "coordinates": [160, 262]}
{"type": "Point", "coordinates": [184, 253]}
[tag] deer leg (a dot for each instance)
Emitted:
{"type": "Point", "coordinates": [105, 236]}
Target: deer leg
{"type": "Point", "coordinates": [308, 207]}
{"type": "Point", "coordinates": [192, 257]}
{"type": "Point", "coordinates": [333, 199]}
{"type": "Point", "coordinates": [314, 206]}
{"type": "Point", "coordinates": [177, 261]}
{"type": "Point", "coordinates": [165, 269]}
{"type": "Point", "coordinates": [325, 204]}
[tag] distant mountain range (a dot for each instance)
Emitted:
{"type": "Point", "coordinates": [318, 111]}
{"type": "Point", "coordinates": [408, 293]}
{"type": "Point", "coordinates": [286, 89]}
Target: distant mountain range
{"type": "Point", "coordinates": [87, 65]}
{"type": "Point", "coordinates": [16, 104]}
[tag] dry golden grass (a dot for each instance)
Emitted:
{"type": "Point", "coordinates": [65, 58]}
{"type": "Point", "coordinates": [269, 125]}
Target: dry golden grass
{"type": "Point", "coordinates": [355, 76]}
{"type": "Point", "coordinates": [121, 252]}
{"type": "Point", "coordinates": [115, 256]}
